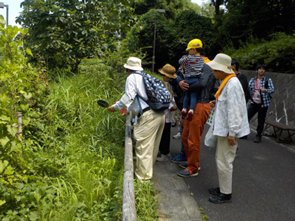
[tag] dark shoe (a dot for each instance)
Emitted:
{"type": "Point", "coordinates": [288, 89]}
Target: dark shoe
{"type": "Point", "coordinates": [244, 137]}
{"type": "Point", "coordinates": [220, 198]}
{"type": "Point", "coordinates": [257, 139]}
{"type": "Point", "coordinates": [214, 191]}
{"type": "Point", "coordinates": [173, 124]}
{"type": "Point", "coordinates": [180, 158]}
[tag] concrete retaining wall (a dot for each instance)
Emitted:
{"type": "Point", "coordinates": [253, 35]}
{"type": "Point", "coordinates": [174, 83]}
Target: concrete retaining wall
{"type": "Point", "coordinates": [282, 108]}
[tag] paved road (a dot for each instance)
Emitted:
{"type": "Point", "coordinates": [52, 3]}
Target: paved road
{"type": "Point", "coordinates": [263, 182]}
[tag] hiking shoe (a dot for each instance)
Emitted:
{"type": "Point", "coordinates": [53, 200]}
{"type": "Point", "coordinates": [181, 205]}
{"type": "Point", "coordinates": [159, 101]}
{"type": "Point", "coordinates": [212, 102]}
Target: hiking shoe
{"type": "Point", "coordinates": [184, 112]}
{"type": "Point", "coordinates": [177, 136]}
{"type": "Point", "coordinates": [180, 158]}
{"type": "Point", "coordinates": [257, 139]}
{"type": "Point", "coordinates": [220, 198]}
{"type": "Point", "coordinates": [190, 115]}
{"type": "Point", "coordinates": [184, 165]}
{"type": "Point", "coordinates": [187, 173]}
{"type": "Point", "coordinates": [164, 158]}
{"type": "Point", "coordinates": [214, 191]}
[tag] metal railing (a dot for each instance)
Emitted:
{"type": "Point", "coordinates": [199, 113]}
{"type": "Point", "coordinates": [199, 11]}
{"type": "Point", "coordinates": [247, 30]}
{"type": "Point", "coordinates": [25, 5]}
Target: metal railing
{"type": "Point", "coordinates": [128, 207]}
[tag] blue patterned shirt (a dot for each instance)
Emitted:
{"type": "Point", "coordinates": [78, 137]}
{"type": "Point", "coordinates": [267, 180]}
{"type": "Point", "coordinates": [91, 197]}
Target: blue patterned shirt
{"type": "Point", "coordinates": [265, 97]}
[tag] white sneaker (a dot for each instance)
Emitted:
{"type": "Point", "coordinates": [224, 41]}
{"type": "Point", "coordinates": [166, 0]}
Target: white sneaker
{"type": "Point", "coordinates": [164, 158]}
{"type": "Point", "coordinates": [177, 136]}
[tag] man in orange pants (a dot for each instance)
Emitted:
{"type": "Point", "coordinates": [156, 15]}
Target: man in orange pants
{"type": "Point", "coordinates": [192, 130]}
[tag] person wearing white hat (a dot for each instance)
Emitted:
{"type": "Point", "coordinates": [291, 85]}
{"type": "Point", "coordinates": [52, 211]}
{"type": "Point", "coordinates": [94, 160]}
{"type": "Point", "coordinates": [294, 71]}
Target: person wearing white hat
{"type": "Point", "coordinates": [149, 126]}
{"type": "Point", "coordinates": [229, 123]}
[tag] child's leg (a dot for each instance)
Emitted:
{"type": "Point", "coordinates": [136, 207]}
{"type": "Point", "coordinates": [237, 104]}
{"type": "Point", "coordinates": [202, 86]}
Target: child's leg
{"type": "Point", "coordinates": [193, 99]}
{"type": "Point", "coordinates": [186, 99]}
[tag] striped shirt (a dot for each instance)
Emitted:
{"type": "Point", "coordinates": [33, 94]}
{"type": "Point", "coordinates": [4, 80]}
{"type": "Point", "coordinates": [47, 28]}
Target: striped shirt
{"type": "Point", "coordinates": [192, 64]}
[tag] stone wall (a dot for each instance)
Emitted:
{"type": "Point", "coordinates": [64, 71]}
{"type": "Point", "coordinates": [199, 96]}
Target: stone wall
{"type": "Point", "coordinates": [282, 108]}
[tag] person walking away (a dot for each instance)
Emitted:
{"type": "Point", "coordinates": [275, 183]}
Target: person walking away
{"type": "Point", "coordinates": [149, 126]}
{"type": "Point", "coordinates": [260, 89]}
{"type": "Point", "coordinates": [164, 148]}
{"type": "Point", "coordinates": [229, 123]}
{"type": "Point", "coordinates": [193, 64]}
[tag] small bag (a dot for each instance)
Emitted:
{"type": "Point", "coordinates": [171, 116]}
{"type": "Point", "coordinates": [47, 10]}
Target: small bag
{"type": "Point", "coordinates": [210, 139]}
{"type": "Point", "coordinates": [210, 118]}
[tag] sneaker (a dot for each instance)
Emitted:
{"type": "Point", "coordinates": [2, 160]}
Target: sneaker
{"type": "Point", "coordinates": [184, 165]}
{"type": "Point", "coordinates": [177, 136]}
{"type": "Point", "coordinates": [184, 112]}
{"type": "Point", "coordinates": [190, 115]}
{"type": "Point", "coordinates": [164, 158]}
{"type": "Point", "coordinates": [187, 173]}
{"type": "Point", "coordinates": [257, 139]}
{"type": "Point", "coordinates": [180, 158]}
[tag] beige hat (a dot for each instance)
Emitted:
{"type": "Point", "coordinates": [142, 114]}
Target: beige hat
{"type": "Point", "coordinates": [168, 70]}
{"type": "Point", "coordinates": [221, 62]}
{"type": "Point", "coordinates": [134, 64]}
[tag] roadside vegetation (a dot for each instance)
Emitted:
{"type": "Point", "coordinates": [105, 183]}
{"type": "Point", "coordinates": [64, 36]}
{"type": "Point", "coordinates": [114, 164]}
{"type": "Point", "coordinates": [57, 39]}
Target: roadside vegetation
{"type": "Point", "coordinates": [68, 162]}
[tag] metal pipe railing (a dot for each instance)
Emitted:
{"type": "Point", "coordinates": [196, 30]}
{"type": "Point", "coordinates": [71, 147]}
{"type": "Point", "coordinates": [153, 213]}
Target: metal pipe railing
{"type": "Point", "coordinates": [128, 207]}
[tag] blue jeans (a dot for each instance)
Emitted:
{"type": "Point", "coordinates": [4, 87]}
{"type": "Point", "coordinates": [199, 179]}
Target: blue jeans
{"type": "Point", "coordinates": [190, 97]}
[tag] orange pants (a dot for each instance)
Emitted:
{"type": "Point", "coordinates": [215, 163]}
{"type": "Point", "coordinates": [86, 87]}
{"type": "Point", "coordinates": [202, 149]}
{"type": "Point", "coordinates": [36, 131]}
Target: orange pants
{"type": "Point", "coordinates": [191, 135]}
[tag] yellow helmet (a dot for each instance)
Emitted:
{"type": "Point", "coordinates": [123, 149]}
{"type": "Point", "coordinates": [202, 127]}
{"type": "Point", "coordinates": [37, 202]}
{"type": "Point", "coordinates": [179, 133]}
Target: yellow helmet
{"type": "Point", "coordinates": [195, 43]}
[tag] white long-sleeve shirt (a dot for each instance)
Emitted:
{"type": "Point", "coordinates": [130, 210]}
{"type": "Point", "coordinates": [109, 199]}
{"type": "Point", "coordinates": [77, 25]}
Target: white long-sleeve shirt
{"type": "Point", "coordinates": [134, 85]}
{"type": "Point", "coordinates": [231, 116]}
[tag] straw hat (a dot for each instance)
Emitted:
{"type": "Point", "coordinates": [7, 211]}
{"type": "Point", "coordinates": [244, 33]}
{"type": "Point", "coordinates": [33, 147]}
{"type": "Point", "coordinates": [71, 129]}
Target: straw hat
{"type": "Point", "coordinates": [168, 70]}
{"type": "Point", "coordinates": [221, 62]}
{"type": "Point", "coordinates": [134, 64]}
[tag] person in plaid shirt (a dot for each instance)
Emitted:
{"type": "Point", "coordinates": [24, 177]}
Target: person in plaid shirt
{"type": "Point", "coordinates": [260, 89]}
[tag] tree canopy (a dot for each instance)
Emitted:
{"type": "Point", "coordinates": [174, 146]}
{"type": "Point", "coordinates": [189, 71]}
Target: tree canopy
{"type": "Point", "coordinates": [61, 33]}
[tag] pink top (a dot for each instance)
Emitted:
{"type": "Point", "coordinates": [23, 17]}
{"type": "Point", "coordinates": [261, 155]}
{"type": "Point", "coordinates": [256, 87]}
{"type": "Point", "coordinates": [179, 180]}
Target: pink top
{"type": "Point", "coordinates": [256, 94]}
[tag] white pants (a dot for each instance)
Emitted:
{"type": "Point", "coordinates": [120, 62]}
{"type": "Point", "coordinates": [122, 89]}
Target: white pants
{"type": "Point", "coordinates": [147, 133]}
{"type": "Point", "coordinates": [225, 155]}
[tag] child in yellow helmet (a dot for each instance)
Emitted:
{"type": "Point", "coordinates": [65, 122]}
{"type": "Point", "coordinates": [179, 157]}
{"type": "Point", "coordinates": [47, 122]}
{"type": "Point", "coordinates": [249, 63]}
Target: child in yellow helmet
{"type": "Point", "coordinates": [192, 64]}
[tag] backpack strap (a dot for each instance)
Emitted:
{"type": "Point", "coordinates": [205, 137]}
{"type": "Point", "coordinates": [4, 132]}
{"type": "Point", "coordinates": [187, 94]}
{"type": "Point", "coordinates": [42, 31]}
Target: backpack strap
{"type": "Point", "coordinates": [266, 83]}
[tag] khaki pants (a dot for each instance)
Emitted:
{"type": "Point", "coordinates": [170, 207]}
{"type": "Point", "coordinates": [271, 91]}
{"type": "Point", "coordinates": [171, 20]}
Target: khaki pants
{"type": "Point", "coordinates": [147, 133]}
{"type": "Point", "coordinates": [225, 156]}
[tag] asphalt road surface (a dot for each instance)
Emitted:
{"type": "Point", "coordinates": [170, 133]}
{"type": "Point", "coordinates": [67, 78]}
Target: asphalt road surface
{"type": "Point", "coordinates": [263, 181]}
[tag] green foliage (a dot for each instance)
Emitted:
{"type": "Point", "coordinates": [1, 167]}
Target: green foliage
{"type": "Point", "coordinates": [146, 203]}
{"type": "Point", "coordinates": [69, 164]}
{"type": "Point", "coordinates": [258, 18]}
{"type": "Point", "coordinates": [61, 34]}
{"type": "Point", "coordinates": [171, 7]}
{"type": "Point", "coordinates": [277, 54]}
{"type": "Point", "coordinates": [172, 35]}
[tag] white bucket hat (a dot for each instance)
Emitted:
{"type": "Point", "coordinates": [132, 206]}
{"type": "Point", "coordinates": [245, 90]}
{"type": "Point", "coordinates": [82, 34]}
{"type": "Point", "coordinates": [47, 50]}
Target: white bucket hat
{"type": "Point", "coordinates": [221, 62]}
{"type": "Point", "coordinates": [134, 64]}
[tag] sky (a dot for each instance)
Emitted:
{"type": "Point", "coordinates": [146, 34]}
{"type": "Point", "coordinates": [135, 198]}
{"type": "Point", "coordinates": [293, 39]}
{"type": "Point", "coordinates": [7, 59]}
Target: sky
{"type": "Point", "coordinates": [15, 9]}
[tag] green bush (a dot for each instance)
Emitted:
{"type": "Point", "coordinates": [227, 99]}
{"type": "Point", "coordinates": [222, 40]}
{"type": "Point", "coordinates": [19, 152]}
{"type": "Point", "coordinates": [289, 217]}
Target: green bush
{"type": "Point", "coordinates": [278, 54]}
{"type": "Point", "coordinates": [69, 164]}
